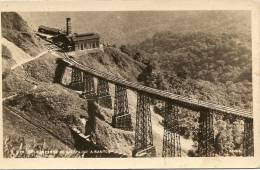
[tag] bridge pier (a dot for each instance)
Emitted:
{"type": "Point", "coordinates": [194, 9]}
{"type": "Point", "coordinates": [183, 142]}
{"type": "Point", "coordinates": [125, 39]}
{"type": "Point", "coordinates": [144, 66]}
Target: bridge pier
{"type": "Point", "coordinates": [248, 141]}
{"type": "Point", "coordinates": [143, 132]}
{"type": "Point", "coordinates": [59, 72]}
{"type": "Point", "coordinates": [76, 79]}
{"type": "Point", "coordinates": [90, 128]}
{"type": "Point", "coordinates": [171, 138]}
{"type": "Point", "coordinates": [103, 97]}
{"type": "Point", "coordinates": [88, 87]}
{"type": "Point", "coordinates": [121, 118]}
{"type": "Point", "coordinates": [206, 134]}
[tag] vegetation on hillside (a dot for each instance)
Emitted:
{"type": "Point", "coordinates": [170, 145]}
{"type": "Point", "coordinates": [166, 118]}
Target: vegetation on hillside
{"type": "Point", "coordinates": [112, 61]}
{"type": "Point", "coordinates": [215, 68]}
{"type": "Point", "coordinates": [16, 30]}
{"type": "Point", "coordinates": [7, 61]}
{"type": "Point", "coordinates": [15, 127]}
{"type": "Point", "coordinates": [56, 109]}
{"type": "Point", "coordinates": [30, 75]}
{"type": "Point", "coordinates": [207, 67]}
{"type": "Point", "coordinates": [50, 107]}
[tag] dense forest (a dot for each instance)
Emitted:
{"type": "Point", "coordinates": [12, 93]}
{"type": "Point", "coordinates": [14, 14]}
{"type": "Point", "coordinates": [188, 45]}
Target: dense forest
{"type": "Point", "coordinates": [204, 66]}
{"type": "Point", "coordinates": [215, 68]}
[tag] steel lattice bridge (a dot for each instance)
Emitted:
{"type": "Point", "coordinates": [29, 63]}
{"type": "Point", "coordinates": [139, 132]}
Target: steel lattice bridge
{"type": "Point", "coordinates": [82, 78]}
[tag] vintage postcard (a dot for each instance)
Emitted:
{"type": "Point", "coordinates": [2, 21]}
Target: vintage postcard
{"type": "Point", "coordinates": [143, 84]}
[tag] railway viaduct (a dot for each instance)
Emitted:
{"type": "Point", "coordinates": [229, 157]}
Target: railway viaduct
{"type": "Point", "coordinates": [82, 78]}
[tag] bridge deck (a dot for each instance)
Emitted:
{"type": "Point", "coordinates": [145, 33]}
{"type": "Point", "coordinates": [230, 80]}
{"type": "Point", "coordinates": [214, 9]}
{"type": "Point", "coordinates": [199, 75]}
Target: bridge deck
{"type": "Point", "coordinates": [189, 102]}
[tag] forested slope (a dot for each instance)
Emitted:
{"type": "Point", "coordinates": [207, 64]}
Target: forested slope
{"type": "Point", "coordinates": [208, 67]}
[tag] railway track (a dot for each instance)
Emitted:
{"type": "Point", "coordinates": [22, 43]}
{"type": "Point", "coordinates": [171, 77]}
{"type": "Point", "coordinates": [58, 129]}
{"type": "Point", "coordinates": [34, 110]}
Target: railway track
{"type": "Point", "coordinates": [86, 154]}
{"type": "Point", "coordinates": [27, 119]}
{"type": "Point", "coordinates": [97, 153]}
{"type": "Point", "coordinates": [193, 103]}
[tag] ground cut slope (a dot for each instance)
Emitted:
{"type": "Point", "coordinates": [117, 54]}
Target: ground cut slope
{"type": "Point", "coordinates": [17, 31]}
{"type": "Point", "coordinates": [12, 128]}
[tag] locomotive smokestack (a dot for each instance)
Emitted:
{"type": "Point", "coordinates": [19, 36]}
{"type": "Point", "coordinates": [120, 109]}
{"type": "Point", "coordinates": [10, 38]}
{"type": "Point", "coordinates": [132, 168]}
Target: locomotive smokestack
{"type": "Point", "coordinates": [68, 26]}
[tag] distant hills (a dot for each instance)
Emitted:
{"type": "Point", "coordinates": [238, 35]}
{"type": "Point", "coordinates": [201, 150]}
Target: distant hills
{"type": "Point", "coordinates": [134, 27]}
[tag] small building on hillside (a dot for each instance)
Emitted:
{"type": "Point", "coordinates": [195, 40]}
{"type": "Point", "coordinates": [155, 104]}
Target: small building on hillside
{"type": "Point", "coordinates": [77, 42]}
{"type": "Point", "coordinates": [85, 41]}
{"type": "Point", "coordinates": [72, 41]}
{"type": "Point", "coordinates": [49, 30]}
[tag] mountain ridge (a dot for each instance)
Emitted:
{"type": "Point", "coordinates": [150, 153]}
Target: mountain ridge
{"type": "Point", "coordinates": [132, 27]}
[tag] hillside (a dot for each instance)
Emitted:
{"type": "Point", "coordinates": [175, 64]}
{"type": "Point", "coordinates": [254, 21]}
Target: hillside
{"type": "Point", "coordinates": [112, 61]}
{"type": "Point", "coordinates": [7, 60]}
{"type": "Point", "coordinates": [205, 66]}
{"type": "Point", "coordinates": [19, 43]}
{"type": "Point", "coordinates": [49, 109]}
{"type": "Point", "coordinates": [17, 31]}
{"type": "Point", "coordinates": [12, 127]}
{"type": "Point", "coordinates": [216, 68]}
{"type": "Point", "coordinates": [133, 27]}
{"type": "Point", "coordinates": [50, 104]}
{"type": "Point", "coordinates": [208, 67]}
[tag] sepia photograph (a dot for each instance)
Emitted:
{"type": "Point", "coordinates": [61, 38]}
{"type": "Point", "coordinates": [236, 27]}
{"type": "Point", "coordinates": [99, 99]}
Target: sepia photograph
{"type": "Point", "coordinates": [127, 84]}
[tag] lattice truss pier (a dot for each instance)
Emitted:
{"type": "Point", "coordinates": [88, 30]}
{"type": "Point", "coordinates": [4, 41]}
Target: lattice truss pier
{"type": "Point", "coordinates": [171, 138]}
{"type": "Point", "coordinates": [76, 79]}
{"type": "Point", "coordinates": [83, 78]}
{"type": "Point", "coordinates": [206, 134]}
{"type": "Point", "coordinates": [103, 97]}
{"type": "Point", "coordinates": [88, 87]}
{"type": "Point", "coordinates": [121, 118]}
{"type": "Point", "coordinates": [143, 132]}
{"type": "Point", "coordinates": [248, 142]}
